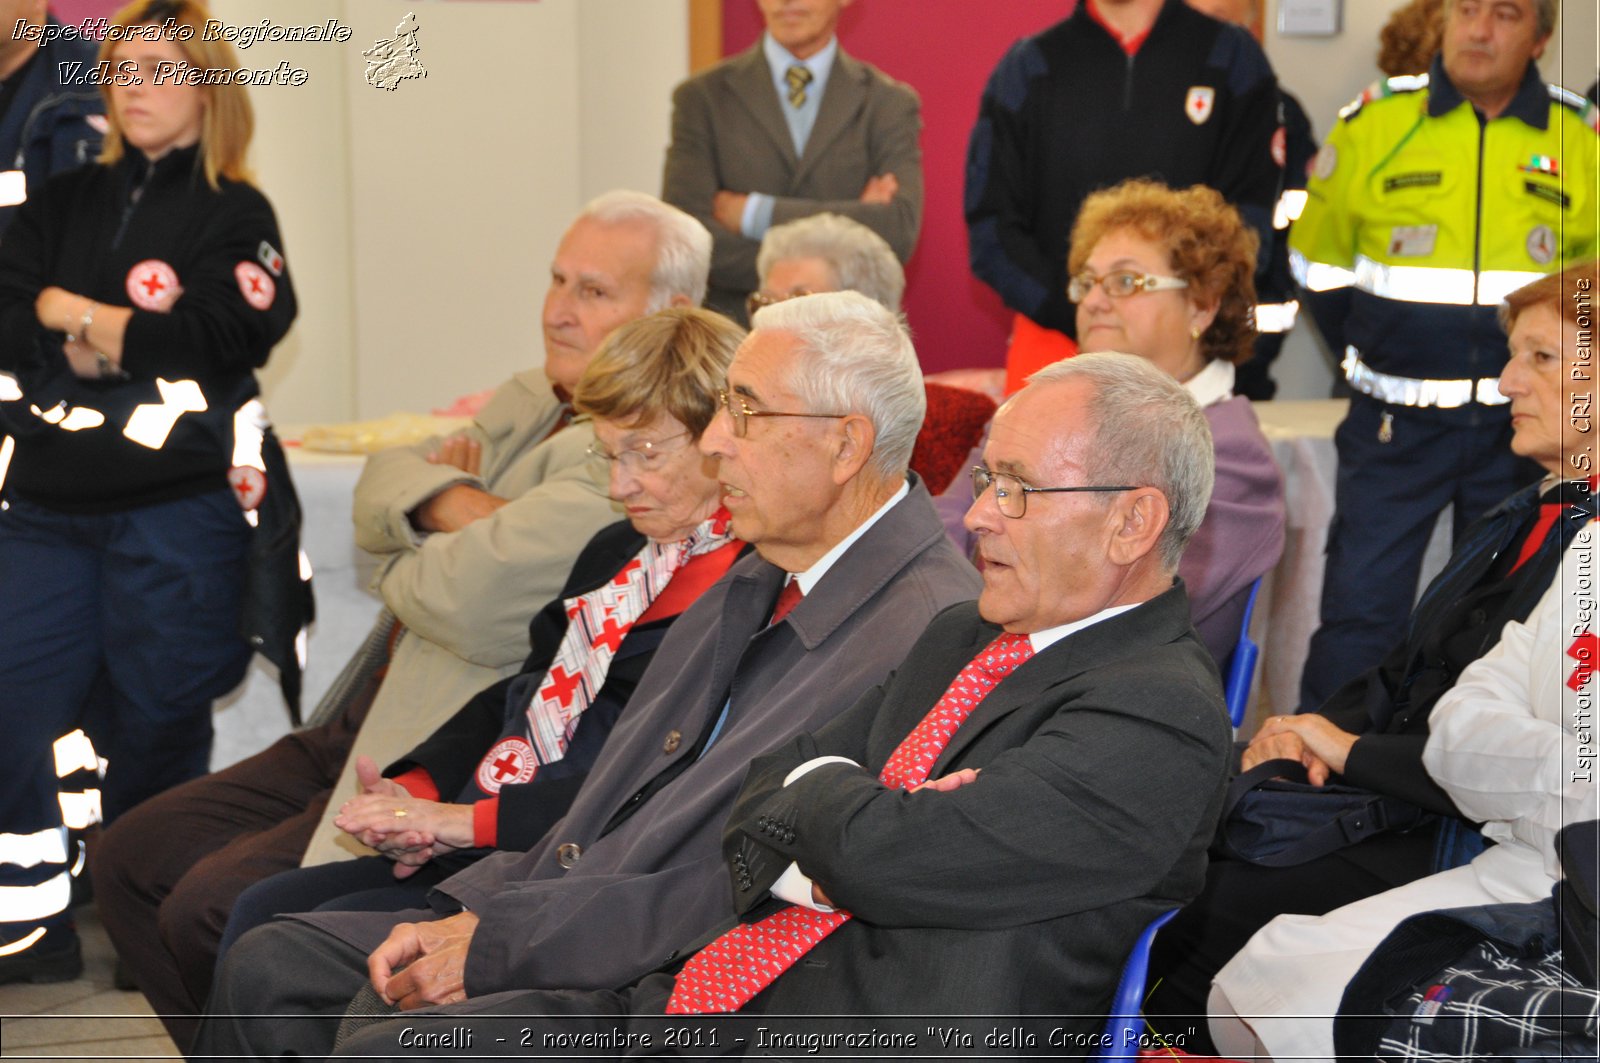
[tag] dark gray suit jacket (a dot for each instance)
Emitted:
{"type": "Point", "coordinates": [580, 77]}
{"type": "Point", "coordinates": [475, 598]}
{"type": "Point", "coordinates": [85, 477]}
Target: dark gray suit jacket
{"type": "Point", "coordinates": [1103, 764]}
{"type": "Point", "coordinates": [728, 132]}
{"type": "Point", "coordinates": [644, 830]}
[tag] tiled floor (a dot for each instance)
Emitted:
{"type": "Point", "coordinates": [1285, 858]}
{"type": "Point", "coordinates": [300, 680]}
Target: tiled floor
{"type": "Point", "coordinates": [85, 1019]}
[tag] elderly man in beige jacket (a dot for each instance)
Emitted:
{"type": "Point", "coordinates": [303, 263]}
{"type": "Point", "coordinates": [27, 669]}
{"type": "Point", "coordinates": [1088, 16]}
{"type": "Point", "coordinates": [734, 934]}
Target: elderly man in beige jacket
{"type": "Point", "coordinates": [476, 530]}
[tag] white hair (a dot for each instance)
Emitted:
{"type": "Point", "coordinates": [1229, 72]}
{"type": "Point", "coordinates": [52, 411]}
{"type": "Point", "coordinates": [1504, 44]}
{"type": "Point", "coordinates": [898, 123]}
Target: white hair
{"type": "Point", "coordinates": [1149, 432]}
{"type": "Point", "coordinates": [683, 246]}
{"type": "Point", "coordinates": [855, 356]}
{"type": "Point", "coordinates": [861, 260]}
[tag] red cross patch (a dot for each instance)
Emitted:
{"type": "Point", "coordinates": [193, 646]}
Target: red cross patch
{"type": "Point", "coordinates": [152, 285]}
{"type": "Point", "coordinates": [254, 284]}
{"type": "Point", "coordinates": [510, 761]}
{"type": "Point", "coordinates": [1198, 104]}
{"type": "Point", "coordinates": [249, 485]}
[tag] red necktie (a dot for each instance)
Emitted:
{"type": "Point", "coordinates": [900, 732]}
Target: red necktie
{"type": "Point", "coordinates": [788, 598]}
{"type": "Point", "coordinates": [727, 973]}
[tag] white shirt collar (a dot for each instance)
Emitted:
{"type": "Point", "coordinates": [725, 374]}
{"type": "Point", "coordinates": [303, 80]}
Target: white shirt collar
{"type": "Point", "coordinates": [1043, 640]}
{"type": "Point", "coordinates": [813, 575]}
{"type": "Point", "coordinates": [1213, 384]}
{"type": "Point", "coordinates": [780, 59]}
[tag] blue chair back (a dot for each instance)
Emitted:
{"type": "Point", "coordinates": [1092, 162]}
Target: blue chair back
{"type": "Point", "coordinates": [1242, 663]}
{"type": "Point", "coordinates": [1126, 1021]}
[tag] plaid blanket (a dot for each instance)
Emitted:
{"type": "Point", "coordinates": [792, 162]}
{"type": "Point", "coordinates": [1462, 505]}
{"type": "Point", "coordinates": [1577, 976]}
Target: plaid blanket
{"type": "Point", "coordinates": [1473, 983]}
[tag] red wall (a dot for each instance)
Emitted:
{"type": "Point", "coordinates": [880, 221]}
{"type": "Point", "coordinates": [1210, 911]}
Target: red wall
{"type": "Point", "coordinates": [945, 49]}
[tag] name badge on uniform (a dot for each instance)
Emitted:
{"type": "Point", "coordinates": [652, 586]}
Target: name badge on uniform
{"type": "Point", "coordinates": [13, 188]}
{"type": "Point", "coordinates": [1412, 241]}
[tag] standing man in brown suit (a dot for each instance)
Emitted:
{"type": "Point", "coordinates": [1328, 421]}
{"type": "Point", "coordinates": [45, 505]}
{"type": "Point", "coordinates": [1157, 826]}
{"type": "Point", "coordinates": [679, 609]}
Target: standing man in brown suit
{"type": "Point", "coordinates": [789, 128]}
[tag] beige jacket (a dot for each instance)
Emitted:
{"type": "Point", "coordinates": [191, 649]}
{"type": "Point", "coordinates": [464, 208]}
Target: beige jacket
{"type": "Point", "coordinates": [466, 597]}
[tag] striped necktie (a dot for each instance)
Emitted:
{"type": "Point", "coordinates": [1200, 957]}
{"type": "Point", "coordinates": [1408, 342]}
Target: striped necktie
{"type": "Point", "coordinates": [798, 77]}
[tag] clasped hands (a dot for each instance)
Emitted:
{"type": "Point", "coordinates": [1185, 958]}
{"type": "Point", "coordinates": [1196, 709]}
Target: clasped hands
{"type": "Point", "coordinates": [408, 830]}
{"type": "Point", "coordinates": [421, 965]}
{"type": "Point", "coordinates": [728, 207]}
{"type": "Point", "coordinates": [1311, 739]}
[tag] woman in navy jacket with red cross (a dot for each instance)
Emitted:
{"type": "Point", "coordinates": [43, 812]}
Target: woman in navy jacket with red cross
{"type": "Point", "coordinates": [137, 297]}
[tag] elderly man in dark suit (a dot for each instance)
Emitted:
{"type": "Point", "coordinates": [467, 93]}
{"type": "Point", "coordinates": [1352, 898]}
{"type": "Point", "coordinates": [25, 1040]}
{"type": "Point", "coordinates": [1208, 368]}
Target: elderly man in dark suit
{"type": "Point", "coordinates": [987, 832]}
{"type": "Point", "coordinates": [789, 128]}
{"type": "Point", "coordinates": [822, 404]}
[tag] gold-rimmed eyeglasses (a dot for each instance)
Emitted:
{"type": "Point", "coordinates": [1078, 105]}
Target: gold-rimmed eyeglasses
{"type": "Point", "coordinates": [739, 412]}
{"type": "Point", "coordinates": [1121, 283]}
{"type": "Point", "coordinates": [1011, 494]}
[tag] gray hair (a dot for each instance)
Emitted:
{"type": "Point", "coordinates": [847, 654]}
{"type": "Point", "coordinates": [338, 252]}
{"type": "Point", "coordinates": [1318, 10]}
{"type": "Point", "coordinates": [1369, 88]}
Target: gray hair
{"type": "Point", "coordinates": [1150, 432]}
{"type": "Point", "coordinates": [861, 260]}
{"type": "Point", "coordinates": [855, 357]}
{"type": "Point", "coordinates": [683, 245]}
{"type": "Point", "coordinates": [1544, 11]}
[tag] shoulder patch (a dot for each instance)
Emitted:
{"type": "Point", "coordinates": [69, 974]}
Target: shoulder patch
{"type": "Point", "coordinates": [1235, 51]}
{"type": "Point", "coordinates": [1383, 89]}
{"type": "Point", "coordinates": [1581, 106]}
{"type": "Point", "coordinates": [1022, 64]}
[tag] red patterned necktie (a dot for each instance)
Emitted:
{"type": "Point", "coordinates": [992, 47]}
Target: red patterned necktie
{"type": "Point", "coordinates": [727, 973]}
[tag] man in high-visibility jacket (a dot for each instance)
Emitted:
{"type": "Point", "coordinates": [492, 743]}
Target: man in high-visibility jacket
{"type": "Point", "coordinates": [1433, 197]}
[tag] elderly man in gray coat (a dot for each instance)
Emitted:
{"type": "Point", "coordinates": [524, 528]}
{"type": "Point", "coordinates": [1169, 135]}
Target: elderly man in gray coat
{"type": "Point", "coordinates": [822, 405]}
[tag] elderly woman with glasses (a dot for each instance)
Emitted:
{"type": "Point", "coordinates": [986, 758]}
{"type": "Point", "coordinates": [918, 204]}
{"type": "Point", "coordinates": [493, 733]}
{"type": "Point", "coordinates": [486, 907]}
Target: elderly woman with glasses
{"type": "Point", "coordinates": [505, 767]}
{"type": "Point", "coordinates": [1165, 275]}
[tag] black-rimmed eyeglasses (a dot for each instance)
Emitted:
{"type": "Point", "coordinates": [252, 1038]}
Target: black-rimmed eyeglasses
{"type": "Point", "coordinates": [1011, 494]}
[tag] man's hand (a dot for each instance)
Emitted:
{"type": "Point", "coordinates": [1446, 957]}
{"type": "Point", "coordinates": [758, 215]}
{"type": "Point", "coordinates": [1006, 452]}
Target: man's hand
{"type": "Point", "coordinates": [462, 451]}
{"type": "Point", "coordinates": [1311, 739]}
{"type": "Point", "coordinates": [455, 507]}
{"type": "Point", "coordinates": [954, 781]}
{"type": "Point", "coordinates": [880, 189]}
{"type": "Point", "coordinates": [434, 960]}
{"type": "Point", "coordinates": [944, 784]}
{"type": "Point", "coordinates": [728, 208]}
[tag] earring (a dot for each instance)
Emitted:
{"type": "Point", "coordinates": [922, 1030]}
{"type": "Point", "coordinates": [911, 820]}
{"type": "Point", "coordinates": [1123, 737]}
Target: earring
{"type": "Point", "coordinates": [1194, 332]}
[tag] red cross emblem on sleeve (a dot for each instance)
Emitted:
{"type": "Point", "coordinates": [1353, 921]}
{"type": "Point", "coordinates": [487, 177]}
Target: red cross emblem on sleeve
{"type": "Point", "coordinates": [254, 284]}
{"type": "Point", "coordinates": [249, 485]}
{"type": "Point", "coordinates": [151, 284]}
{"type": "Point", "coordinates": [509, 761]}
